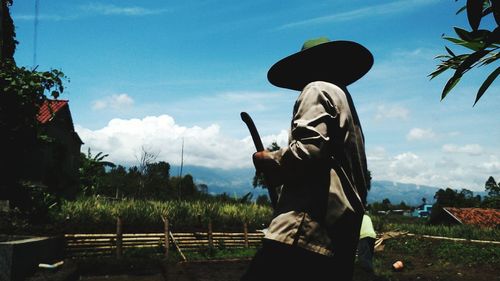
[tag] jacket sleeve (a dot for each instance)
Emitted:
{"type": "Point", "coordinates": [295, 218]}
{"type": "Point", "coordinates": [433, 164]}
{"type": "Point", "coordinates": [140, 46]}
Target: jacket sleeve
{"type": "Point", "coordinates": [317, 118]}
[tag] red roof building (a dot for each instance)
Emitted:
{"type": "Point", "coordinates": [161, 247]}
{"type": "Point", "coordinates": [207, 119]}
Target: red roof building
{"type": "Point", "coordinates": [55, 161]}
{"type": "Point", "coordinates": [474, 216]}
{"type": "Point", "coordinates": [49, 109]}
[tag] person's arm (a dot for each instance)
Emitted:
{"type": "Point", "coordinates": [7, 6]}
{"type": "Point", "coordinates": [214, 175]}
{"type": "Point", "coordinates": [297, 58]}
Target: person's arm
{"type": "Point", "coordinates": [317, 117]}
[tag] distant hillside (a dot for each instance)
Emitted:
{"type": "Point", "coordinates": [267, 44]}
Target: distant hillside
{"type": "Point", "coordinates": [233, 182]}
{"type": "Point", "coordinates": [239, 182]}
{"type": "Point", "coordinates": [396, 192]}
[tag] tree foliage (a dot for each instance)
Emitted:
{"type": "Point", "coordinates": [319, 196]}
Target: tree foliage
{"type": "Point", "coordinates": [7, 35]}
{"type": "Point", "coordinates": [483, 46]}
{"type": "Point", "coordinates": [453, 198]}
{"type": "Point", "coordinates": [386, 206]}
{"type": "Point", "coordinates": [22, 92]}
{"type": "Point", "coordinates": [148, 180]}
{"type": "Point", "coordinates": [493, 190]}
{"type": "Point", "coordinates": [465, 198]}
{"type": "Point", "coordinates": [492, 187]}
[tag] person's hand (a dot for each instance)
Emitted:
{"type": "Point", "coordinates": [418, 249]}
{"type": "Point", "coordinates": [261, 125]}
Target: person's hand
{"type": "Point", "coordinates": [264, 163]}
{"type": "Point", "coordinates": [262, 160]}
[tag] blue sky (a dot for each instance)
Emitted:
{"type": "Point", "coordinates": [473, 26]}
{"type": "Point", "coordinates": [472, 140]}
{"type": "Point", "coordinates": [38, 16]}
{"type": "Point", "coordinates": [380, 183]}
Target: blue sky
{"type": "Point", "coordinates": [151, 73]}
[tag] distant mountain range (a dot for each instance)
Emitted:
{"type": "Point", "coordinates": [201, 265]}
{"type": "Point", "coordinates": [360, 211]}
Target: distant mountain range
{"type": "Point", "coordinates": [237, 182]}
{"type": "Point", "coordinates": [397, 192]}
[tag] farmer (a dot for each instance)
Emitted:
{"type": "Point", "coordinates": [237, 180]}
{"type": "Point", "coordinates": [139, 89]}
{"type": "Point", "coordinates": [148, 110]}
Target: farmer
{"type": "Point", "coordinates": [322, 174]}
{"type": "Point", "coordinates": [366, 244]}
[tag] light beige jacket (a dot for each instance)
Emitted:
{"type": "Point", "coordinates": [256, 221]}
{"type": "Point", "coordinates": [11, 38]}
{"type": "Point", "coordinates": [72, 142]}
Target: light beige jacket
{"type": "Point", "coordinates": [323, 169]}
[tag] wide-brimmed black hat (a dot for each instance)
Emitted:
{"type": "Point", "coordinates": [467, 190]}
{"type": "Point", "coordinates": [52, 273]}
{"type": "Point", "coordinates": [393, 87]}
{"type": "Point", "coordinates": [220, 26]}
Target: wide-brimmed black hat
{"type": "Point", "coordinates": [338, 62]}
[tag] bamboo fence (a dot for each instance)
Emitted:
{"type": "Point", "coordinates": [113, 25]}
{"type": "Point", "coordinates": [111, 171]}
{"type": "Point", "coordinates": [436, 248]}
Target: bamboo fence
{"type": "Point", "coordinates": [86, 245]}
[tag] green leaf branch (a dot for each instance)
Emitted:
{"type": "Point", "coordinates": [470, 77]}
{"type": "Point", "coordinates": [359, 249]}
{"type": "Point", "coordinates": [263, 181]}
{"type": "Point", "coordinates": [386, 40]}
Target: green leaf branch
{"type": "Point", "coordinates": [483, 46]}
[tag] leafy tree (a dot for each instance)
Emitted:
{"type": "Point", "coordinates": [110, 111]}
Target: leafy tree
{"type": "Point", "coordinates": [483, 46]}
{"type": "Point", "coordinates": [183, 188]}
{"type": "Point", "coordinates": [188, 187]}
{"type": "Point", "coordinates": [133, 181]}
{"type": "Point", "coordinates": [452, 198]}
{"type": "Point", "coordinates": [116, 180]}
{"type": "Point", "coordinates": [383, 206]}
{"type": "Point", "coordinates": [493, 198]}
{"type": "Point", "coordinates": [492, 187]}
{"type": "Point", "coordinates": [491, 202]}
{"type": "Point", "coordinates": [22, 92]}
{"type": "Point", "coordinates": [7, 40]}
{"type": "Point", "coordinates": [156, 179]}
{"type": "Point", "coordinates": [203, 189]}
{"type": "Point", "coordinates": [145, 159]}
{"type": "Point", "coordinates": [402, 206]}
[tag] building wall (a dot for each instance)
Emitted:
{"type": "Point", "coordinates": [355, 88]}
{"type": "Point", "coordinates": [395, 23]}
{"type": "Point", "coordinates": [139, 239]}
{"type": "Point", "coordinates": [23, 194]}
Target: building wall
{"type": "Point", "coordinates": [55, 161]}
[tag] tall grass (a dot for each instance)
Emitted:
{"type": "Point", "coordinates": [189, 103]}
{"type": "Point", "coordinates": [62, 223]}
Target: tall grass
{"type": "Point", "coordinates": [97, 215]}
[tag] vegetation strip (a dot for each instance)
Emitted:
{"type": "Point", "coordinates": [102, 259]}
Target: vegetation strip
{"type": "Point", "coordinates": [454, 239]}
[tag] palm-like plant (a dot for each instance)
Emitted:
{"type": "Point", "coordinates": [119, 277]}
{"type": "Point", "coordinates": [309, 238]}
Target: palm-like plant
{"type": "Point", "coordinates": [483, 44]}
{"type": "Point", "coordinates": [92, 169]}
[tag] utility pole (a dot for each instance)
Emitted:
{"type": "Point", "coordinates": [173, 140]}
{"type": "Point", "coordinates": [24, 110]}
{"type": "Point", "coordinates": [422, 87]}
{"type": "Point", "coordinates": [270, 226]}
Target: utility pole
{"type": "Point", "coordinates": [2, 32]}
{"type": "Point", "coordinates": [180, 172]}
{"type": "Point", "coordinates": [35, 33]}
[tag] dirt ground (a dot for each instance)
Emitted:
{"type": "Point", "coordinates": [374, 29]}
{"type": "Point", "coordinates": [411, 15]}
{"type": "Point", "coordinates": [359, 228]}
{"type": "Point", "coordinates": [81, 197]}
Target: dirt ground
{"type": "Point", "coordinates": [418, 256]}
{"type": "Point", "coordinates": [207, 271]}
{"type": "Point", "coordinates": [415, 269]}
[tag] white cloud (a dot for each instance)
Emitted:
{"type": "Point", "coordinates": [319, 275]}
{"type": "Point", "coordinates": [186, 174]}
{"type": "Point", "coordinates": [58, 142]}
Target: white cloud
{"type": "Point", "coordinates": [110, 9]}
{"type": "Point", "coordinates": [123, 140]}
{"type": "Point", "coordinates": [207, 146]}
{"type": "Point", "coordinates": [409, 167]}
{"type": "Point", "coordinates": [281, 139]}
{"type": "Point", "coordinates": [391, 112]}
{"type": "Point", "coordinates": [420, 134]}
{"type": "Point", "coordinates": [371, 11]}
{"type": "Point", "coordinates": [406, 163]}
{"type": "Point", "coordinates": [43, 17]}
{"type": "Point", "coordinates": [376, 154]}
{"type": "Point", "coordinates": [92, 9]}
{"type": "Point", "coordinates": [115, 102]}
{"type": "Point", "coordinates": [122, 100]}
{"type": "Point", "coordinates": [492, 166]}
{"type": "Point", "coordinates": [433, 169]}
{"type": "Point", "coordinates": [99, 104]}
{"type": "Point", "coordinates": [470, 149]}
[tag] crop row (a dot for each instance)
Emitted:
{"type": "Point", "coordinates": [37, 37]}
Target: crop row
{"type": "Point", "coordinates": [90, 215]}
{"type": "Point", "coordinates": [95, 215]}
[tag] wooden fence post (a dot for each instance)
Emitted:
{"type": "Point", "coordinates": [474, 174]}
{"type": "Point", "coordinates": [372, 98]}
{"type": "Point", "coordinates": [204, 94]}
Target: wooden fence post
{"type": "Point", "coordinates": [167, 238]}
{"type": "Point", "coordinates": [210, 234]}
{"type": "Point", "coordinates": [119, 237]}
{"type": "Point", "coordinates": [245, 233]}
